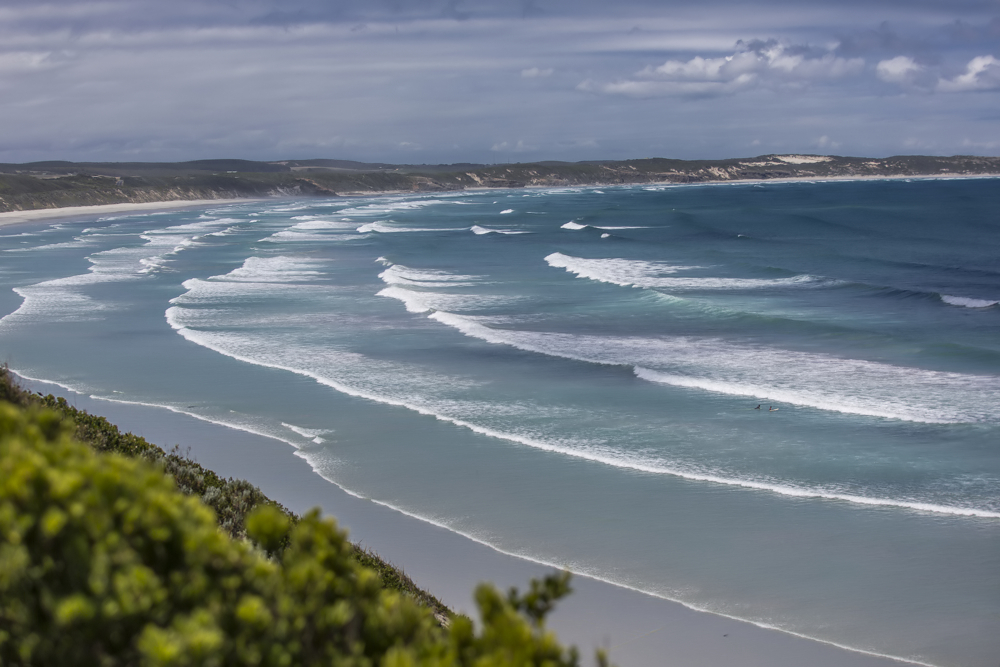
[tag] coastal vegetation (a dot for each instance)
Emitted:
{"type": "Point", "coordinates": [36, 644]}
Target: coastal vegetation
{"type": "Point", "coordinates": [114, 552]}
{"type": "Point", "coordinates": [58, 184]}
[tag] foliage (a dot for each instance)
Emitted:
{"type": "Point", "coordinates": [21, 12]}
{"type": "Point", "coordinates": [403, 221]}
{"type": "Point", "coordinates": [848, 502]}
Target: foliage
{"type": "Point", "coordinates": [232, 499]}
{"type": "Point", "coordinates": [104, 562]}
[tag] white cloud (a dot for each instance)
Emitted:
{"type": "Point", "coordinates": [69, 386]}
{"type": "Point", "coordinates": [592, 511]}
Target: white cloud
{"type": "Point", "coordinates": [535, 72]}
{"type": "Point", "coordinates": [901, 69]}
{"type": "Point", "coordinates": [756, 64]}
{"type": "Point", "coordinates": [982, 73]}
{"type": "Point", "coordinates": [768, 59]}
{"type": "Point", "coordinates": [655, 88]}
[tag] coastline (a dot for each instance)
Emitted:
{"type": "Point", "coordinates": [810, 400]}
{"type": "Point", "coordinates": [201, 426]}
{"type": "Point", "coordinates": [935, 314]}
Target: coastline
{"type": "Point", "coordinates": [39, 214]}
{"type": "Point", "coordinates": [639, 629]}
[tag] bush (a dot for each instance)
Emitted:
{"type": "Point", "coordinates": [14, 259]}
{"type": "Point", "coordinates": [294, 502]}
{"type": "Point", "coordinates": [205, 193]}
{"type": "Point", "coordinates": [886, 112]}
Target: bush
{"type": "Point", "coordinates": [232, 499]}
{"type": "Point", "coordinates": [104, 562]}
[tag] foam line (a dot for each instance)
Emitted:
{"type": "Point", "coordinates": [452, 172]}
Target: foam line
{"type": "Point", "coordinates": [967, 302]}
{"type": "Point", "coordinates": [425, 302]}
{"type": "Point", "coordinates": [637, 273]}
{"type": "Point", "coordinates": [397, 274]}
{"type": "Point", "coordinates": [383, 228]}
{"type": "Point", "coordinates": [476, 229]}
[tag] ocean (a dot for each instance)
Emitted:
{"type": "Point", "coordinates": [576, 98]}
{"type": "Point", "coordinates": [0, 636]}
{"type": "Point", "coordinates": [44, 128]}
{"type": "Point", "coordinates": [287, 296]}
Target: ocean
{"type": "Point", "coordinates": [573, 375]}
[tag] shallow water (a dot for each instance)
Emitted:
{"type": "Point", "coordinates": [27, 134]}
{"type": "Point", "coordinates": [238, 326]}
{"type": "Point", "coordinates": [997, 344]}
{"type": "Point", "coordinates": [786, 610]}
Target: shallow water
{"type": "Point", "coordinates": [570, 375]}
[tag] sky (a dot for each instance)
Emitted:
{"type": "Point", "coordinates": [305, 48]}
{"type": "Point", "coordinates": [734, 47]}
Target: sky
{"type": "Point", "coordinates": [492, 81]}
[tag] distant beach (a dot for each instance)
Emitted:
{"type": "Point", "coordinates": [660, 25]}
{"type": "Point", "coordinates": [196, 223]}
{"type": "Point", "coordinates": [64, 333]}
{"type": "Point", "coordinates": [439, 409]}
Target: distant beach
{"type": "Point", "coordinates": [16, 217]}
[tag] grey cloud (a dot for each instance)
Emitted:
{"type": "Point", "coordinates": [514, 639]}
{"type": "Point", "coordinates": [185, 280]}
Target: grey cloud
{"type": "Point", "coordinates": [145, 79]}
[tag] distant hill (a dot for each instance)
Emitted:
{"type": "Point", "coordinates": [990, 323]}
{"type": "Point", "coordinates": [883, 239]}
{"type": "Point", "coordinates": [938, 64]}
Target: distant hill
{"type": "Point", "coordinates": [55, 184]}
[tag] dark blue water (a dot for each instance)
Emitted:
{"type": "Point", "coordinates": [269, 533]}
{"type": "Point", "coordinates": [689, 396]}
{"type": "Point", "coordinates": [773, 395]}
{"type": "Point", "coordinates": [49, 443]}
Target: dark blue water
{"type": "Point", "coordinates": [572, 375]}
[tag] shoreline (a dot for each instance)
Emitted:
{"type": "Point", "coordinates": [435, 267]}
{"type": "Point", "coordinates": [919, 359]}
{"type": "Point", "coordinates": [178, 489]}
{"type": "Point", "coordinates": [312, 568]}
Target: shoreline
{"type": "Point", "coordinates": [638, 628]}
{"type": "Point", "coordinates": [40, 214]}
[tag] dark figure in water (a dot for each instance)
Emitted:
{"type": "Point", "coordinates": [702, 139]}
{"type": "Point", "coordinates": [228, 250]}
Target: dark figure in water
{"type": "Point", "coordinates": [771, 408]}
{"type": "Point", "coordinates": [757, 408]}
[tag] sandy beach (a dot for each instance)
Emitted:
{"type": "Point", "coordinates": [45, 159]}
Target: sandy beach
{"type": "Point", "coordinates": [639, 630]}
{"type": "Point", "coordinates": [16, 217]}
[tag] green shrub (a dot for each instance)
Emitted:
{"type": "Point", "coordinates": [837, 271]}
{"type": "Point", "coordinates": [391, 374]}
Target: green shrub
{"type": "Point", "coordinates": [104, 562]}
{"type": "Point", "coordinates": [232, 499]}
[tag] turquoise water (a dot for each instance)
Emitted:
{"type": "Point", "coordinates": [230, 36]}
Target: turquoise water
{"type": "Point", "coordinates": [570, 375]}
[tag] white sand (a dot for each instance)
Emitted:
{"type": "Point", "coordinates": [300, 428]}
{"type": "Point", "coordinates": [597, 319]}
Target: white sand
{"type": "Point", "coordinates": [14, 217]}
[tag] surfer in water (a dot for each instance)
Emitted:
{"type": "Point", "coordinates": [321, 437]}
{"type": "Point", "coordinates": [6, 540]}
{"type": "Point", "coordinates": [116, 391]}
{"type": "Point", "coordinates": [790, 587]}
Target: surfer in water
{"type": "Point", "coordinates": [757, 408]}
{"type": "Point", "coordinates": [771, 408]}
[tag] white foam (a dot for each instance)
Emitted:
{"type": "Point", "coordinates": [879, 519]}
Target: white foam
{"type": "Point", "coordinates": [385, 207]}
{"type": "Point", "coordinates": [604, 236]}
{"type": "Point", "coordinates": [294, 236]}
{"type": "Point", "coordinates": [313, 434]}
{"type": "Point", "coordinates": [397, 274]}
{"type": "Point", "coordinates": [264, 276]}
{"type": "Point", "coordinates": [506, 211]}
{"type": "Point", "coordinates": [967, 302]}
{"type": "Point", "coordinates": [280, 269]}
{"type": "Point", "coordinates": [383, 228]}
{"type": "Point", "coordinates": [577, 226]}
{"type": "Point", "coordinates": [78, 242]}
{"type": "Point", "coordinates": [65, 299]}
{"type": "Point", "coordinates": [476, 229]}
{"type": "Point", "coordinates": [637, 273]}
{"type": "Point", "coordinates": [424, 302]}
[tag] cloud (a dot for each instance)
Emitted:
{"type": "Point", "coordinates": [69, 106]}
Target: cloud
{"type": "Point", "coordinates": [901, 70]}
{"type": "Point", "coordinates": [536, 72]}
{"type": "Point", "coordinates": [756, 63]}
{"type": "Point", "coordinates": [367, 79]}
{"type": "Point", "coordinates": [982, 73]}
{"type": "Point", "coordinates": [653, 88]}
